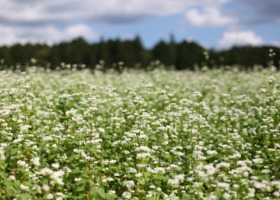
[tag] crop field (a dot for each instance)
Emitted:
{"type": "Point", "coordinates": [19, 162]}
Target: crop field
{"type": "Point", "coordinates": [73, 134]}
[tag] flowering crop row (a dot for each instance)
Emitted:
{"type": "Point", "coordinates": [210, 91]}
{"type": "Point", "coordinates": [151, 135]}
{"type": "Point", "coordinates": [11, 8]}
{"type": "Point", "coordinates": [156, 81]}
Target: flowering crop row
{"type": "Point", "coordinates": [139, 135]}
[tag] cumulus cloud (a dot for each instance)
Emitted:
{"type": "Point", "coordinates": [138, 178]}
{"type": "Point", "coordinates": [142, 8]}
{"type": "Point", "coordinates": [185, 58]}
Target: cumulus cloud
{"type": "Point", "coordinates": [258, 11]}
{"type": "Point", "coordinates": [211, 16]}
{"type": "Point", "coordinates": [52, 21]}
{"type": "Point", "coordinates": [242, 14]}
{"type": "Point", "coordinates": [45, 34]}
{"type": "Point", "coordinates": [239, 38]}
{"type": "Point", "coordinates": [33, 12]}
{"type": "Point", "coordinates": [63, 12]}
{"type": "Point", "coordinates": [80, 30]}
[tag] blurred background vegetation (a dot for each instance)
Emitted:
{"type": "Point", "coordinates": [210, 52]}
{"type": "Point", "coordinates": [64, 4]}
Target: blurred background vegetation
{"type": "Point", "coordinates": [119, 53]}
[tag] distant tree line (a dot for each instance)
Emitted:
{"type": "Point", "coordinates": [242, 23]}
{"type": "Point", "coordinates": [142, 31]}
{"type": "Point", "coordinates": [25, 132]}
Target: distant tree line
{"type": "Point", "coordinates": [119, 54]}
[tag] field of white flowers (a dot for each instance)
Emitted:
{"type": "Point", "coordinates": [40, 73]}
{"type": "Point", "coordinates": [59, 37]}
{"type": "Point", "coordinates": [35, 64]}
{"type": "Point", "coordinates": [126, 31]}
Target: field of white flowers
{"type": "Point", "coordinates": [140, 135]}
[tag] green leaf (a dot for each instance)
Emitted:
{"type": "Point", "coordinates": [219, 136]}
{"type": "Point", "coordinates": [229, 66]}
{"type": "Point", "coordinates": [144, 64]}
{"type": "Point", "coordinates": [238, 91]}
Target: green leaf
{"type": "Point", "coordinates": [111, 196]}
{"type": "Point", "coordinates": [186, 197]}
{"type": "Point", "coordinates": [141, 181]}
{"type": "Point", "coordinates": [25, 196]}
{"type": "Point", "coordinates": [99, 194]}
{"type": "Point", "coordinates": [218, 192]}
{"type": "Point", "coordinates": [10, 190]}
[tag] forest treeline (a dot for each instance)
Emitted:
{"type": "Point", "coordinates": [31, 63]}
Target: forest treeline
{"type": "Point", "coordinates": [132, 54]}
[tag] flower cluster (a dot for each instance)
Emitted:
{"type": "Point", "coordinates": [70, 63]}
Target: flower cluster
{"type": "Point", "coordinates": [139, 135]}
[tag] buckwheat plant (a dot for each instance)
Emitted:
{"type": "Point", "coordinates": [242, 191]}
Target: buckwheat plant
{"type": "Point", "coordinates": [74, 134]}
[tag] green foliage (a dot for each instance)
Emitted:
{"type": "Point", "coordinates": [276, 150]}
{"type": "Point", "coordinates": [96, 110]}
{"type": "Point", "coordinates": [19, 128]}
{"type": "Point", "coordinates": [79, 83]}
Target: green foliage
{"type": "Point", "coordinates": [120, 54]}
{"type": "Point", "coordinates": [210, 134]}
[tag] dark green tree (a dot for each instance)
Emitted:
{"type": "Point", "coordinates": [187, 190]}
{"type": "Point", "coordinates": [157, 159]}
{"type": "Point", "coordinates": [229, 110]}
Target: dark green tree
{"type": "Point", "coordinates": [189, 54]}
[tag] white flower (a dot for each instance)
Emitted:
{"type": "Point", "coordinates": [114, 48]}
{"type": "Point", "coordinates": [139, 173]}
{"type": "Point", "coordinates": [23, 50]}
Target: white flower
{"type": "Point", "coordinates": [258, 160]}
{"type": "Point", "coordinates": [211, 152]}
{"type": "Point", "coordinates": [55, 165]}
{"type": "Point", "coordinates": [212, 196]}
{"type": "Point", "coordinates": [223, 185]}
{"type": "Point", "coordinates": [260, 185]}
{"type": "Point", "coordinates": [45, 187]}
{"type": "Point", "coordinates": [24, 187]}
{"type": "Point", "coordinates": [22, 163]}
{"type": "Point", "coordinates": [47, 138]}
{"type": "Point", "coordinates": [67, 169]}
{"type": "Point", "coordinates": [175, 182]}
{"type": "Point", "coordinates": [3, 145]}
{"type": "Point", "coordinates": [210, 169]}
{"type": "Point", "coordinates": [132, 170]}
{"type": "Point", "coordinates": [265, 171]}
{"type": "Point", "coordinates": [46, 171]}
{"type": "Point", "coordinates": [102, 130]}
{"type": "Point", "coordinates": [57, 177]}
{"type": "Point", "coordinates": [109, 179]}
{"type": "Point", "coordinates": [129, 184]}
{"type": "Point", "coordinates": [144, 148]}
{"type": "Point", "coordinates": [276, 193]}
{"type": "Point", "coordinates": [112, 161]}
{"type": "Point", "coordinates": [180, 177]}
{"type": "Point", "coordinates": [36, 161]}
{"type": "Point", "coordinates": [152, 187]}
{"type": "Point", "coordinates": [223, 165]}
{"type": "Point", "coordinates": [111, 192]}
{"type": "Point", "coordinates": [172, 196]}
{"type": "Point", "coordinates": [24, 128]}
{"type": "Point", "coordinates": [244, 163]}
{"type": "Point", "coordinates": [236, 186]}
{"type": "Point", "coordinates": [77, 179]}
{"type": "Point", "coordinates": [2, 152]}
{"type": "Point", "coordinates": [49, 196]}
{"type": "Point", "coordinates": [276, 184]}
{"type": "Point", "coordinates": [126, 195]}
{"type": "Point", "coordinates": [126, 152]}
{"type": "Point", "coordinates": [19, 139]}
{"type": "Point", "coordinates": [138, 175]}
{"type": "Point", "coordinates": [226, 195]}
{"type": "Point", "coordinates": [251, 192]}
{"type": "Point", "coordinates": [60, 195]}
{"type": "Point", "coordinates": [159, 170]}
{"type": "Point", "coordinates": [142, 155]}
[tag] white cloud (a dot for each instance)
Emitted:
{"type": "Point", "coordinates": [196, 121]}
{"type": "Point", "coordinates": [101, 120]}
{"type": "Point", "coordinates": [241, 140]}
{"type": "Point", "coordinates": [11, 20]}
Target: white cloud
{"type": "Point", "coordinates": [52, 21]}
{"type": "Point", "coordinates": [65, 11]}
{"type": "Point", "coordinates": [112, 11]}
{"type": "Point", "coordinates": [275, 43]}
{"type": "Point", "coordinates": [211, 16]}
{"type": "Point", "coordinates": [239, 38]}
{"type": "Point", "coordinates": [55, 20]}
{"type": "Point", "coordinates": [45, 34]}
{"type": "Point", "coordinates": [255, 12]}
{"type": "Point", "coordinates": [80, 30]}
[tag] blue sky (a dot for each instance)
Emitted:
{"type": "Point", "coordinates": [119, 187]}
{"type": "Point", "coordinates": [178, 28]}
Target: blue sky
{"type": "Point", "coordinates": [212, 23]}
